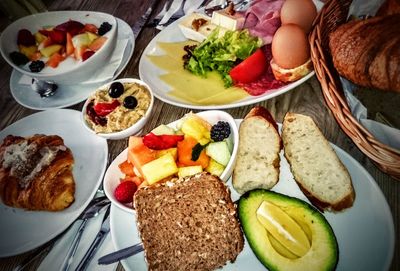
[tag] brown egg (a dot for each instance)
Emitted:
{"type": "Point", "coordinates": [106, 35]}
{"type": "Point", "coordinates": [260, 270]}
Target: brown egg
{"type": "Point", "coordinates": [290, 47]}
{"type": "Point", "coordinates": [301, 12]}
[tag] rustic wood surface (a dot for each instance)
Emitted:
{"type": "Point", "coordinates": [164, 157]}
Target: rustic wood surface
{"type": "Point", "coordinates": [306, 99]}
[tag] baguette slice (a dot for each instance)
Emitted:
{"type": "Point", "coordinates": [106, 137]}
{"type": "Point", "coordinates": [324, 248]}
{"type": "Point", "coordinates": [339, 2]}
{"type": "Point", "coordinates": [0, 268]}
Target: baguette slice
{"type": "Point", "coordinates": [315, 166]}
{"type": "Point", "coordinates": [257, 164]}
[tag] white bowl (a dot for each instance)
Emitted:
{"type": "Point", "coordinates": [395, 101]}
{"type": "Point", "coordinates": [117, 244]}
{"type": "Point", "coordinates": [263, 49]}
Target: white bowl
{"type": "Point", "coordinates": [132, 130]}
{"type": "Point", "coordinates": [113, 174]}
{"type": "Point", "coordinates": [69, 71]}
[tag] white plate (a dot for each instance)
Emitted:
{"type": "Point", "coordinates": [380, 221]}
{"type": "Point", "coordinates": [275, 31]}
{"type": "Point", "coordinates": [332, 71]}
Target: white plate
{"type": "Point", "coordinates": [149, 73]}
{"type": "Point", "coordinates": [21, 230]}
{"type": "Point", "coordinates": [365, 232]}
{"type": "Point", "coordinates": [68, 95]}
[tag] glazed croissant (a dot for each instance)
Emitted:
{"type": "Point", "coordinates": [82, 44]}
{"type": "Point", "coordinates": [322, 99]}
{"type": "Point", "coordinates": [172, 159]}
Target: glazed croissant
{"type": "Point", "coordinates": [367, 52]}
{"type": "Point", "coordinates": [36, 173]}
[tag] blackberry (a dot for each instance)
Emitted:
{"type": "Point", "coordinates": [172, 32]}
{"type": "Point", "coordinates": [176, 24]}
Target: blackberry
{"type": "Point", "coordinates": [18, 58]}
{"type": "Point", "coordinates": [36, 66]}
{"type": "Point", "coordinates": [104, 28]}
{"type": "Point", "coordinates": [220, 131]}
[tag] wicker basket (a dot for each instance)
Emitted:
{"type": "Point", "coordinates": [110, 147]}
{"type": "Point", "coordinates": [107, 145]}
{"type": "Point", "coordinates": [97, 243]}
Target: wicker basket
{"type": "Point", "coordinates": [333, 14]}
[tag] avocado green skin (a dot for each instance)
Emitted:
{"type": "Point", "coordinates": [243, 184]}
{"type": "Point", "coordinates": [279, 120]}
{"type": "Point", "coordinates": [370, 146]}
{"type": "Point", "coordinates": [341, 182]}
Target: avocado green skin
{"type": "Point", "coordinates": [323, 254]}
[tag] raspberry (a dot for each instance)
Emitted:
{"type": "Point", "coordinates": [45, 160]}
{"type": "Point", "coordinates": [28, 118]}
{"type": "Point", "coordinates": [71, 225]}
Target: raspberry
{"type": "Point", "coordinates": [86, 55]}
{"type": "Point", "coordinates": [220, 131]}
{"type": "Point", "coordinates": [104, 28]}
{"type": "Point", "coordinates": [36, 66]}
{"type": "Point", "coordinates": [125, 191]}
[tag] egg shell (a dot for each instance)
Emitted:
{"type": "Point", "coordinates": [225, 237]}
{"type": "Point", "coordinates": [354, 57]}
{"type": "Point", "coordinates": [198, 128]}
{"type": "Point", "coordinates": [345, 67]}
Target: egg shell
{"type": "Point", "coordinates": [300, 12]}
{"type": "Point", "coordinates": [290, 47]}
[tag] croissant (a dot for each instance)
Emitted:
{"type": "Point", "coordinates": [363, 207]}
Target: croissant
{"type": "Point", "coordinates": [367, 52]}
{"type": "Point", "coordinates": [36, 173]}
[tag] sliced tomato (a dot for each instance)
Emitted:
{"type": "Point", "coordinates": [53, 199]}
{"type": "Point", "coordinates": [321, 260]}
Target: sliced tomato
{"type": "Point", "coordinates": [249, 69]}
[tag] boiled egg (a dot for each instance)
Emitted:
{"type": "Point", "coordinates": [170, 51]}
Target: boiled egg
{"type": "Point", "coordinates": [290, 47]}
{"type": "Point", "coordinates": [300, 12]}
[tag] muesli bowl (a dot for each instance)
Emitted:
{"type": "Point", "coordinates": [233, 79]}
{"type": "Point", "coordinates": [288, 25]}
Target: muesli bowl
{"type": "Point", "coordinates": [69, 71]}
{"type": "Point", "coordinates": [118, 109]}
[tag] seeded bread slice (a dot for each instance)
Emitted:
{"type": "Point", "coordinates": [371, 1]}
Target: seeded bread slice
{"type": "Point", "coordinates": [315, 166]}
{"type": "Point", "coordinates": [257, 164]}
{"type": "Point", "coordinates": [188, 224]}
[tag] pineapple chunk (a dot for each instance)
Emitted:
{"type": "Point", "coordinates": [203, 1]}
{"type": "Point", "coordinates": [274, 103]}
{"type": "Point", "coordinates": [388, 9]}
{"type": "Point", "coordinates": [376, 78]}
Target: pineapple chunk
{"type": "Point", "coordinates": [173, 151]}
{"type": "Point", "coordinates": [163, 130]}
{"type": "Point", "coordinates": [215, 168]}
{"type": "Point", "coordinates": [39, 37]}
{"type": "Point", "coordinates": [196, 127]}
{"type": "Point", "coordinates": [28, 51]}
{"type": "Point", "coordinates": [188, 171]}
{"type": "Point", "coordinates": [159, 169]}
{"type": "Point", "coordinates": [50, 50]}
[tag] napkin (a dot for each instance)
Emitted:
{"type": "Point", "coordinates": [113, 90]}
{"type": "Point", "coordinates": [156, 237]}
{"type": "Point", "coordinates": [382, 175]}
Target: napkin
{"type": "Point", "coordinates": [105, 73]}
{"type": "Point", "coordinates": [56, 256]}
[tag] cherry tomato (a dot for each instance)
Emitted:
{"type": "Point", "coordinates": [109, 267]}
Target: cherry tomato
{"type": "Point", "coordinates": [249, 69]}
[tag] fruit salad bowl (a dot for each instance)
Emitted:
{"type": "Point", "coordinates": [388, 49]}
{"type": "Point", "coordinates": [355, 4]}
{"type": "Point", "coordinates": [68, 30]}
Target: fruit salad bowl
{"type": "Point", "coordinates": [66, 46]}
{"type": "Point", "coordinates": [118, 109]}
{"type": "Point", "coordinates": [115, 175]}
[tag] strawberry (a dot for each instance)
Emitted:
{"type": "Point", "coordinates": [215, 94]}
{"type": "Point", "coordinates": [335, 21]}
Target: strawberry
{"type": "Point", "coordinates": [161, 142]}
{"type": "Point", "coordinates": [57, 36]}
{"type": "Point", "coordinates": [87, 54]}
{"type": "Point", "coordinates": [125, 191]}
{"type": "Point", "coordinates": [25, 38]}
{"type": "Point", "coordinates": [90, 28]}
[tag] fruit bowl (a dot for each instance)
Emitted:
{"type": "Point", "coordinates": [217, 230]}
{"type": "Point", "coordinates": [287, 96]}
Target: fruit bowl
{"type": "Point", "coordinates": [114, 175]}
{"type": "Point", "coordinates": [124, 119]}
{"type": "Point", "coordinates": [70, 70]}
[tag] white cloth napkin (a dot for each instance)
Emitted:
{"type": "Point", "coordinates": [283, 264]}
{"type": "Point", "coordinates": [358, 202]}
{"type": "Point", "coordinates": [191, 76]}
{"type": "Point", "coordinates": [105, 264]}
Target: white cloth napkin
{"type": "Point", "coordinates": [56, 256]}
{"type": "Point", "coordinates": [106, 72]}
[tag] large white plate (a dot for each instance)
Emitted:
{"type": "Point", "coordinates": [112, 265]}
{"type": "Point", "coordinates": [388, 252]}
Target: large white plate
{"type": "Point", "coordinates": [150, 73]}
{"type": "Point", "coordinates": [365, 232]}
{"type": "Point", "coordinates": [21, 230]}
{"type": "Point", "coordinates": [68, 95]}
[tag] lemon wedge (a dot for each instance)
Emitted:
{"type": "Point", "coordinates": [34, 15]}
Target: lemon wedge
{"type": "Point", "coordinates": [283, 228]}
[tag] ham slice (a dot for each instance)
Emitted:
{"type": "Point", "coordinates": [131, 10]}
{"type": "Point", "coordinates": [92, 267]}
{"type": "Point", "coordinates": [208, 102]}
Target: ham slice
{"type": "Point", "coordinates": [263, 19]}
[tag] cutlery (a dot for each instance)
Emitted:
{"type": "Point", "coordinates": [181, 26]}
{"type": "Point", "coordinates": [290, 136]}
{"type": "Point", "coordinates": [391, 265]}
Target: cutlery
{"type": "Point", "coordinates": [44, 88]}
{"type": "Point", "coordinates": [121, 254]}
{"type": "Point", "coordinates": [160, 15]}
{"type": "Point", "coordinates": [105, 228]}
{"type": "Point", "coordinates": [138, 26]}
{"type": "Point", "coordinates": [90, 212]}
{"type": "Point", "coordinates": [167, 19]}
{"type": "Point", "coordinates": [40, 252]}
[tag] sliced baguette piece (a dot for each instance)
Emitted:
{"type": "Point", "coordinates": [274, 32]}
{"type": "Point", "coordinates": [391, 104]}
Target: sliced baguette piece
{"type": "Point", "coordinates": [315, 166]}
{"type": "Point", "coordinates": [257, 164]}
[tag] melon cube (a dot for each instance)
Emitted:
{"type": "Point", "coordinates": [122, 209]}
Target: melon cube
{"type": "Point", "coordinates": [189, 171]}
{"type": "Point", "coordinates": [159, 169]}
{"type": "Point", "coordinates": [219, 151]}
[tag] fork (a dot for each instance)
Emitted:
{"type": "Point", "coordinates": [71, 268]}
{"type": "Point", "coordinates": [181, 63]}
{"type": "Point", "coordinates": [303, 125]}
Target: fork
{"type": "Point", "coordinates": [177, 14]}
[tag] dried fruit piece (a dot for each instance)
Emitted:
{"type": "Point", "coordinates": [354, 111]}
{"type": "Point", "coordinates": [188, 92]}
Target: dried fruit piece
{"type": "Point", "coordinates": [103, 109]}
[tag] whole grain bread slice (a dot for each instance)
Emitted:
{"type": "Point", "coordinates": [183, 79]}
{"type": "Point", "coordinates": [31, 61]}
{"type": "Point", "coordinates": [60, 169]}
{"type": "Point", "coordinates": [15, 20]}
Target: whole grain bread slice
{"type": "Point", "coordinates": [315, 166]}
{"type": "Point", "coordinates": [188, 224]}
{"type": "Point", "coordinates": [257, 164]}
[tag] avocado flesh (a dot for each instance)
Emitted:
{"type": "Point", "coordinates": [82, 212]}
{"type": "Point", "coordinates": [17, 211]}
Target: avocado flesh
{"type": "Point", "coordinates": [323, 253]}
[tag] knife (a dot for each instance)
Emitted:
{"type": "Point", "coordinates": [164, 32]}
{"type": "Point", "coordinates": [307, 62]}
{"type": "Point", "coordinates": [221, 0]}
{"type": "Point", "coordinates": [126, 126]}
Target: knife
{"type": "Point", "coordinates": [98, 240]}
{"type": "Point", "coordinates": [138, 26]}
{"type": "Point", "coordinates": [121, 254]}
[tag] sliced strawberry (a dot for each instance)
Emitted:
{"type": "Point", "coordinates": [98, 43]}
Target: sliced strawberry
{"type": "Point", "coordinates": [161, 142]}
{"type": "Point", "coordinates": [125, 191]}
{"type": "Point", "coordinates": [87, 54]}
{"type": "Point", "coordinates": [73, 27]}
{"type": "Point", "coordinates": [69, 46]}
{"type": "Point", "coordinates": [103, 109]}
{"type": "Point", "coordinates": [97, 43]}
{"type": "Point", "coordinates": [90, 28]}
{"type": "Point", "coordinates": [58, 36]}
{"type": "Point", "coordinates": [25, 38]}
{"type": "Point", "coordinates": [54, 60]}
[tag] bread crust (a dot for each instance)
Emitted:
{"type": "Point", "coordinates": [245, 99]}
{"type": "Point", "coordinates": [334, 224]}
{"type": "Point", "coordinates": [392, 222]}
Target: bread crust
{"type": "Point", "coordinates": [291, 75]}
{"type": "Point", "coordinates": [345, 201]}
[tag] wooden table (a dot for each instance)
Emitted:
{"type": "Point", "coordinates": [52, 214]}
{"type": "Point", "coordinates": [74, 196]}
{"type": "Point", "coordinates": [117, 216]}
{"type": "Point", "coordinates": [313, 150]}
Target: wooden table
{"type": "Point", "coordinates": [306, 99]}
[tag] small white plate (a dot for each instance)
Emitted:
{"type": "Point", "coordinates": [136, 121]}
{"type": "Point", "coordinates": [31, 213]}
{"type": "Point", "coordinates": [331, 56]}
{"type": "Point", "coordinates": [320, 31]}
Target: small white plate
{"type": "Point", "coordinates": [22, 230]}
{"type": "Point", "coordinates": [364, 232]}
{"type": "Point", "coordinates": [149, 73]}
{"type": "Point", "coordinates": [68, 95]}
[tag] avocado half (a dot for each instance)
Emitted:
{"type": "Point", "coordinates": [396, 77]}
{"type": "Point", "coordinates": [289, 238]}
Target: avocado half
{"type": "Point", "coordinates": [323, 252]}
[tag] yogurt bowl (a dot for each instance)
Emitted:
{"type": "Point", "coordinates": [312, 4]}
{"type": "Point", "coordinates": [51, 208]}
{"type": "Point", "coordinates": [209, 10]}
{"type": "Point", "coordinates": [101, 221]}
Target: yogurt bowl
{"type": "Point", "coordinates": [70, 70]}
{"type": "Point", "coordinates": [118, 109]}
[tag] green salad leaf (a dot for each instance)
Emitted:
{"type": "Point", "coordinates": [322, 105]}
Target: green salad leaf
{"type": "Point", "coordinates": [221, 52]}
